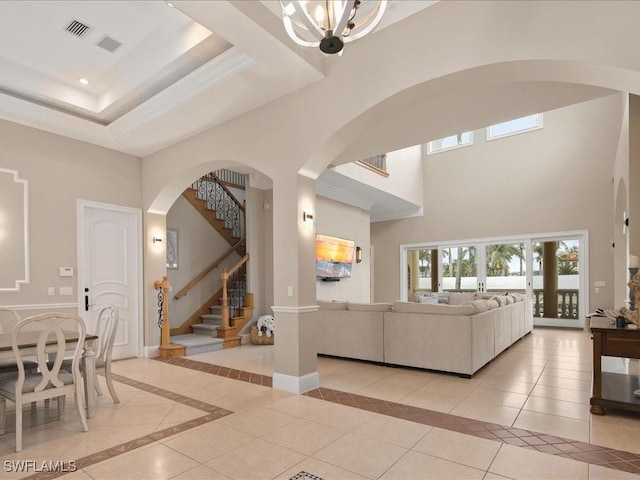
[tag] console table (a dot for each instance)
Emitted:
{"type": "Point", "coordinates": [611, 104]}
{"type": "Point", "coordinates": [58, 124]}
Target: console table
{"type": "Point", "coordinates": [614, 390]}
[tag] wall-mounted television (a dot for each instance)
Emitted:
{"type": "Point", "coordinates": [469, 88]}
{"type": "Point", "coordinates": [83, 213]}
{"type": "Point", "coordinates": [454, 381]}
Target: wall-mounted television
{"type": "Point", "coordinates": [334, 257]}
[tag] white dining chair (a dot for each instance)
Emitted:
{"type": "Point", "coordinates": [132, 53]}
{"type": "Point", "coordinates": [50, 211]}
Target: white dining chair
{"type": "Point", "coordinates": [9, 368]}
{"type": "Point", "coordinates": [106, 329]}
{"type": "Point", "coordinates": [51, 381]}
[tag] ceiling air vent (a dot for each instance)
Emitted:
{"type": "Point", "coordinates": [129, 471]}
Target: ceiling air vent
{"type": "Point", "coordinates": [78, 29]}
{"type": "Point", "coordinates": [109, 44]}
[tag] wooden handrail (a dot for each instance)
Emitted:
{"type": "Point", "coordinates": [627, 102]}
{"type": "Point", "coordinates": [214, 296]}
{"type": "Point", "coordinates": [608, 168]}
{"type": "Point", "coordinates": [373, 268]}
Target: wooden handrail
{"type": "Point", "coordinates": [227, 273]}
{"type": "Point", "coordinates": [204, 273]}
{"type": "Point", "coordinates": [233, 197]}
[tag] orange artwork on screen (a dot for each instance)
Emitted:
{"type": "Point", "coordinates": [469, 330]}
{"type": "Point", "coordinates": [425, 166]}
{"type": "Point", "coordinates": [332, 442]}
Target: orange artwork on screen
{"type": "Point", "coordinates": [334, 257]}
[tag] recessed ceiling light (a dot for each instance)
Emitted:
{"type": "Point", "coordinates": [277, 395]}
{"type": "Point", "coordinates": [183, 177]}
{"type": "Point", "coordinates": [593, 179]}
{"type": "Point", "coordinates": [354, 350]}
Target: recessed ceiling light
{"type": "Point", "coordinates": [84, 81]}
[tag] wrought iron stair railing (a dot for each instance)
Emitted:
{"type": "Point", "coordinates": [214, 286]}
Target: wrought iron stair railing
{"type": "Point", "coordinates": [234, 289]}
{"type": "Point", "coordinates": [220, 200]}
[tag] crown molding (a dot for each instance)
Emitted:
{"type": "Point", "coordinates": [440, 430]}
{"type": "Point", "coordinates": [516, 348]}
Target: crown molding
{"type": "Point", "coordinates": [226, 65]}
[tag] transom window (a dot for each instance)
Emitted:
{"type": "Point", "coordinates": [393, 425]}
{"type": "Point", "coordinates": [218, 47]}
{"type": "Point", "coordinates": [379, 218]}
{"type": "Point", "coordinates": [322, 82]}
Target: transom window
{"type": "Point", "coordinates": [449, 143]}
{"type": "Point", "coordinates": [513, 127]}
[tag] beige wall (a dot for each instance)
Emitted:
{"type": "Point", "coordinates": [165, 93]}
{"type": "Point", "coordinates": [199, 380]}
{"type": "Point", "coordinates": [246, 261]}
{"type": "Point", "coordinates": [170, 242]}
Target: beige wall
{"type": "Point", "coordinates": [260, 248]}
{"type": "Point", "coordinates": [340, 220]}
{"type": "Point", "coordinates": [199, 245]}
{"type": "Point", "coordinates": [634, 175]}
{"type": "Point", "coordinates": [60, 171]}
{"type": "Point", "coordinates": [555, 179]}
{"type": "Point", "coordinates": [620, 238]}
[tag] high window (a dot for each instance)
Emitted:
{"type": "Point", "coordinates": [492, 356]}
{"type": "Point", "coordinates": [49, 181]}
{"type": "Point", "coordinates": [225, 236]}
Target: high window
{"type": "Point", "coordinates": [513, 127]}
{"type": "Point", "coordinates": [449, 143]}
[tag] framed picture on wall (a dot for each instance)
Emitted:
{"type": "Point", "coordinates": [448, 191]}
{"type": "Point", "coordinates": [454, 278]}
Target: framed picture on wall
{"type": "Point", "coordinates": [172, 249]}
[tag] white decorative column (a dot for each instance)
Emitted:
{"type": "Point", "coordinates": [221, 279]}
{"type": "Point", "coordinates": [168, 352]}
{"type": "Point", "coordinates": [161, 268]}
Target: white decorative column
{"type": "Point", "coordinates": [295, 353]}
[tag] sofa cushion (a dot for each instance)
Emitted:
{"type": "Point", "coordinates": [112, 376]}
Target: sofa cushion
{"type": "Point", "coordinates": [510, 299]}
{"type": "Point", "coordinates": [519, 297]}
{"type": "Point", "coordinates": [479, 305]}
{"type": "Point", "coordinates": [331, 305]}
{"type": "Point", "coordinates": [410, 307]}
{"type": "Point", "coordinates": [483, 295]}
{"type": "Point", "coordinates": [369, 307]}
{"type": "Point", "coordinates": [427, 299]}
{"type": "Point", "coordinates": [493, 304]}
{"type": "Point", "coordinates": [502, 301]}
{"type": "Point", "coordinates": [457, 298]}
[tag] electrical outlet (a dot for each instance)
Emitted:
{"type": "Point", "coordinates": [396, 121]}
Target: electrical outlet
{"type": "Point", "coordinates": [290, 291]}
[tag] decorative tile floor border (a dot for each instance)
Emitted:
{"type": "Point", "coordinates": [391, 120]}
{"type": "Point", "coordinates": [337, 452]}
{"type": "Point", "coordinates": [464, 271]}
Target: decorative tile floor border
{"type": "Point", "coordinates": [220, 371]}
{"type": "Point", "coordinates": [540, 442]}
{"type": "Point", "coordinates": [305, 476]}
{"type": "Point", "coordinates": [212, 413]}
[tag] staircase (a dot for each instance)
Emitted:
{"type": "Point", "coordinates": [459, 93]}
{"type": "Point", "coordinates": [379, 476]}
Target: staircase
{"type": "Point", "coordinates": [218, 322]}
{"type": "Point", "coordinates": [212, 198]}
{"type": "Point", "coordinates": [203, 339]}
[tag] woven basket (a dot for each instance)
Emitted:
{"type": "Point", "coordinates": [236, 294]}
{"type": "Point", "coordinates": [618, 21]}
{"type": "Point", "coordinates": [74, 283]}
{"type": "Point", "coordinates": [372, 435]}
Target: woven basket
{"type": "Point", "coordinates": [260, 339]}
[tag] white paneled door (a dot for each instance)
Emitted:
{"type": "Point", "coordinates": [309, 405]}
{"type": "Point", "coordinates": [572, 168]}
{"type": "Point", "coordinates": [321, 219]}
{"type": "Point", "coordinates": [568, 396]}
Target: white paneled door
{"type": "Point", "coordinates": [109, 270]}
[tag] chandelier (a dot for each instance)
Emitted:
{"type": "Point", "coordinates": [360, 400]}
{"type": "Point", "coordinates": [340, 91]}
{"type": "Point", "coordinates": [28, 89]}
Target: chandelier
{"type": "Point", "coordinates": [330, 24]}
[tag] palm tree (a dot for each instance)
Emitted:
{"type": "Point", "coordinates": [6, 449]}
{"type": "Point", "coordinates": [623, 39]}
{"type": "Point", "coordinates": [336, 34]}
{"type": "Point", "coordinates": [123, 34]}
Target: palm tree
{"type": "Point", "coordinates": [461, 253]}
{"type": "Point", "coordinates": [498, 258]}
{"type": "Point", "coordinates": [424, 257]}
{"type": "Point", "coordinates": [521, 257]}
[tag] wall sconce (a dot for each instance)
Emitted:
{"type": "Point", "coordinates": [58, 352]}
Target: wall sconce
{"type": "Point", "coordinates": [157, 238]}
{"type": "Point", "coordinates": [307, 218]}
{"type": "Point", "coordinates": [358, 254]}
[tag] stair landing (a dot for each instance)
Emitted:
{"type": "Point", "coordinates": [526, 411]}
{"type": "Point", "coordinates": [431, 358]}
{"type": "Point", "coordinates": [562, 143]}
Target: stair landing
{"type": "Point", "coordinates": [198, 343]}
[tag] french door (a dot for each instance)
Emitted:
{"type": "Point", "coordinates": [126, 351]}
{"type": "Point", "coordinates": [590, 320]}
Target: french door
{"type": "Point", "coordinates": [550, 268]}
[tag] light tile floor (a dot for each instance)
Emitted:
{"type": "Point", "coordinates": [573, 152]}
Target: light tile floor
{"type": "Point", "coordinates": [542, 384]}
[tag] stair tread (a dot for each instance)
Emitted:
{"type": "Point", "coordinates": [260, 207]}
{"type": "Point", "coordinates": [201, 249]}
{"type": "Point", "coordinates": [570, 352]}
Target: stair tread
{"type": "Point", "coordinates": [193, 339]}
{"type": "Point", "coordinates": [211, 317]}
{"type": "Point", "coordinates": [206, 329]}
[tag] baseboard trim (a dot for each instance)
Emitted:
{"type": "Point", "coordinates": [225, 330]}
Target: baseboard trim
{"type": "Point", "coordinates": [292, 384]}
{"type": "Point", "coordinates": [152, 352]}
{"type": "Point", "coordinates": [301, 309]}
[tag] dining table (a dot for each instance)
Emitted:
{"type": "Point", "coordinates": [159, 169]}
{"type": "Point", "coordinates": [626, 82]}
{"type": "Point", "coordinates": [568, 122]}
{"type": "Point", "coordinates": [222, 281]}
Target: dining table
{"type": "Point", "coordinates": [27, 342]}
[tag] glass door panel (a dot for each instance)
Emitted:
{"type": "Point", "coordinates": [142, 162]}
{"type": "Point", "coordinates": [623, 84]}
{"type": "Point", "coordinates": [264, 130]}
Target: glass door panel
{"type": "Point", "coordinates": [556, 278]}
{"type": "Point", "coordinates": [422, 271]}
{"type": "Point", "coordinates": [505, 265]}
{"type": "Point", "coordinates": [459, 269]}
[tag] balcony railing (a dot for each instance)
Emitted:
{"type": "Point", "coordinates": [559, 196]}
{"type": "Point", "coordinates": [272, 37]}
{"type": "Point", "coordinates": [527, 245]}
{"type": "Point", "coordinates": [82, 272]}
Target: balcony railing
{"type": "Point", "coordinates": [567, 304]}
{"type": "Point", "coordinates": [567, 301]}
{"type": "Point", "coordinates": [375, 163]}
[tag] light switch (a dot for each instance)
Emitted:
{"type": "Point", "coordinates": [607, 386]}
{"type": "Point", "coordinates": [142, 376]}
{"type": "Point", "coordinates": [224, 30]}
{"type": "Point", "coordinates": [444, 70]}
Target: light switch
{"type": "Point", "coordinates": [600, 284]}
{"type": "Point", "coordinates": [290, 291]}
{"type": "Point", "coordinates": [51, 291]}
{"type": "Point", "coordinates": [66, 291]}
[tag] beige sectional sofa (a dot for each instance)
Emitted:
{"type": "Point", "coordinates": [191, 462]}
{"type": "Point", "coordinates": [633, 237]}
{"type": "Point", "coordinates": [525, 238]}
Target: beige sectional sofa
{"type": "Point", "coordinates": [460, 337]}
{"type": "Point", "coordinates": [352, 330]}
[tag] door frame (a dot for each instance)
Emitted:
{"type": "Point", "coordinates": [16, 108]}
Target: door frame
{"type": "Point", "coordinates": [82, 205]}
{"type": "Point", "coordinates": [583, 266]}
